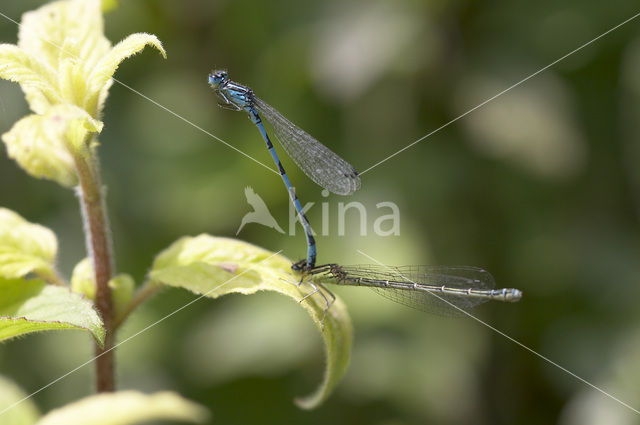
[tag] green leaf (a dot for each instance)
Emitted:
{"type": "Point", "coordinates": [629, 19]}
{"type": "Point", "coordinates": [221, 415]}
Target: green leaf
{"type": "Point", "coordinates": [122, 286]}
{"type": "Point", "coordinates": [82, 280]}
{"type": "Point", "coordinates": [20, 409]}
{"type": "Point", "coordinates": [108, 64]}
{"type": "Point", "coordinates": [35, 145]}
{"type": "Point", "coordinates": [31, 306]}
{"type": "Point", "coordinates": [63, 57]}
{"type": "Point", "coordinates": [63, 29]}
{"type": "Point", "coordinates": [72, 81]}
{"type": "Point", "coordinates": [217, 266]}
{"type": "Point", "coordinates": [35, 78]}
{"type": "Point", "coordinates": [25, 247]}
{"type": "Point", "coordinates": [109, 5]}
{"type": "Point", "coordinates": [68, 37]}
{"type": "Point", "coordinates": [126, 407]}
{"type": "Point", "coordinates": [43, 144]}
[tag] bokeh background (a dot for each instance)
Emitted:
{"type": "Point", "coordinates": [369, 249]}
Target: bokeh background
{"type": "Point", "coordinates": [540, 186]}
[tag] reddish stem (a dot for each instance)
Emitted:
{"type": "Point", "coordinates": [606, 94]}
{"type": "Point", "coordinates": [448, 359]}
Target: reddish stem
{"type": "Point", "coordinates": [99, 247]}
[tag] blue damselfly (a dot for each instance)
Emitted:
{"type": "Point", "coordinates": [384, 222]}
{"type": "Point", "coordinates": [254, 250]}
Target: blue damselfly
{"type": "Point", "coordinates": [316, 160]}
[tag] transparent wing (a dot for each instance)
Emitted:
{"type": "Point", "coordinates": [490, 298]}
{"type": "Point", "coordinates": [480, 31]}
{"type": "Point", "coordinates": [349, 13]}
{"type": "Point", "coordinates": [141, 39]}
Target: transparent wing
{"type": "Point", "coordinates": [316, 160]}
{"type": "Point", "coordinates": [425, 296]}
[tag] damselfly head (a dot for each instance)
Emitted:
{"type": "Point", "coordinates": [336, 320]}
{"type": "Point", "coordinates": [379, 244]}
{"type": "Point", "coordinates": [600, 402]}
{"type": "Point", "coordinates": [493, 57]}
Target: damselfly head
{"type": "Point", "coordinates": [217, 78]}
{"type": "Point", "coordinates": [300, 266]}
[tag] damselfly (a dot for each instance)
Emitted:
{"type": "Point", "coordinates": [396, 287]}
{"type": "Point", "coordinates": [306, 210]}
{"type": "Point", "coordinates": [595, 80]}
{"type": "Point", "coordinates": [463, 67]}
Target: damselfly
{"type": "Point", "coordinates": [316, 160]}
{"type": "Point", "coordinates": [446, 290]}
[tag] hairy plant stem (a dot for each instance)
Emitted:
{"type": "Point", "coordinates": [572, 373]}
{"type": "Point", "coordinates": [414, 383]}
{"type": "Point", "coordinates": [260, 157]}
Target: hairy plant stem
{"type": "Point", "coordinates": [97, 235]}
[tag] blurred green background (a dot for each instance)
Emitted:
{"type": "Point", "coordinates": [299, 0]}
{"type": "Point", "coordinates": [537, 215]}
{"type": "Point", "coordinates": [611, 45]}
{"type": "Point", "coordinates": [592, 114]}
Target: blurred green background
{"type": "Point", "coordinates": [540, 186]}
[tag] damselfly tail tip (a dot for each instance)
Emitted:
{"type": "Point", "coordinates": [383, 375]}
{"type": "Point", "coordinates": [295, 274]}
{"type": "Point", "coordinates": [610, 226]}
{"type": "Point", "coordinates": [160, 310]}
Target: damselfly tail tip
{"type": "Point", "coordinates": [514, 295]}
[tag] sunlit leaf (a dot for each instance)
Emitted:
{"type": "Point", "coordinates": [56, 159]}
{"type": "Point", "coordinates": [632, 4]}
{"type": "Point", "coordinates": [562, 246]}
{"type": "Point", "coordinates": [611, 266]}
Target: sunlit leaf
{"type": "Point", "coordinates": [31, 306]}
{"type": "Point", "coordinates": [109, 5]}
{"type": "Point", "coordinates": [72, 82]}
{"type": "Point", "coordinates": [217, 266]}
{"type": "Point", "coordinates": [25, 247]}
{"type": "Point", "coordinates": [34, 76]}
{"type": "Point", "coordinates": [60, 31]}
{"type": "Point", "coordinates": [20, 410]}
{"type": "Point", "coordinates": [122, 286]}
{"type": "Point", "coordinates": [37, 147]}
{"type": "Point", "coordinates": [42, 144]}
{"type": "Point", "coordinates": [108, 64]}
{"type": "Point", "coordinates": [75, 61]}
{"type": "Point", "coordinates": [64, 29]}
{"type": "Point", "coordinates": [82, 280]}
{"type": "Point", "coordinates": [126, 407]}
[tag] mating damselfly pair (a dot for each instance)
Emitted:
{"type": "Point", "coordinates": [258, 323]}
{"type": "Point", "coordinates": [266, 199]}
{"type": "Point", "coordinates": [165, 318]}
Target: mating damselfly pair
{"type": "Point", "coordinates": [440, 289]}
{"type": "Point", "coordinates": [316, 160]}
